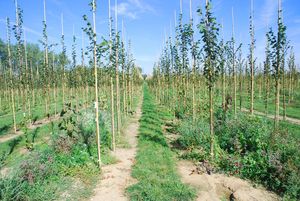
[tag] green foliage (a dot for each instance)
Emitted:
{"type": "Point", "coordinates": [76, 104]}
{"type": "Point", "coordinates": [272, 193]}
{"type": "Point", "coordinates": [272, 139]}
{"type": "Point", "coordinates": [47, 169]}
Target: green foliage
{"type": "Point", "coordinates": [209, 30]}
{"type": "Point", "coordinates": [46, 173]}
{"type": "Point", "coordinates": [243, 148]}
{"type": "Point", "coordinates": [13, 143]}
{"type": "Point", "coordinates": [193, 135]}
{"type": "Point", "coordinates": [3, 156]}
{"type": "Point", "coordinates": [251, 154]}
{"type": "Point", "coordinates": [246, 135]}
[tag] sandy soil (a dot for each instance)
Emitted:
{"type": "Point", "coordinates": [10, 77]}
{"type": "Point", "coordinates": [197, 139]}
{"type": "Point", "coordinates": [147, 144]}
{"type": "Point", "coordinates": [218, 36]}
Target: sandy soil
{"type": "Point", "coordinates": [116, 178]}
{"type": "Point", "coordinates": [216, 187]}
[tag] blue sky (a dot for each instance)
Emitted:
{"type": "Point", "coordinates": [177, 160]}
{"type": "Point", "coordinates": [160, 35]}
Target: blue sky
{"type": "Point", "coordinates": [147, 21]}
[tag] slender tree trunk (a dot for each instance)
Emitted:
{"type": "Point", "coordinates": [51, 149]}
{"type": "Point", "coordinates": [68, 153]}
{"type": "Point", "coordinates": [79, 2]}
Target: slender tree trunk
{"type": "Point", "coordinates": [63, 76]}
{"type": "Point", "coordinates": [27, 80]}
{"type": "Point", "coordinates": [234, 67]}
{"type": "Point", "coordinates": [241, 88]}
{"type": "Point", "coordinates": [278, 76]}
{"type": "Point", "coordinates": [283, 88]}
{"type": "Point", "coordinates": [117, 76]}
{"type": "Point", "coordinates": [54, 86]}
{"type": "Point", "coordinates": [11, 78]}
{"type": "Point", "coordinates": [112, 116]}
{"type": "Point", "coordinates": [211, 117]}
{"type": "Point", "coordinates": [46, 64]}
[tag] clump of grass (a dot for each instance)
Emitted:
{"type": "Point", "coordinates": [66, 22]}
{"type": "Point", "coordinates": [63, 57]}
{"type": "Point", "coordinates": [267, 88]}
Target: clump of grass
{"type": "Point", "coordinates": [155, 167]}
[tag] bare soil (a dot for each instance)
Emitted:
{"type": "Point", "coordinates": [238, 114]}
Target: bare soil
{"type": "Point", "coordinates": [216, 187]}
{"type": "Point", "coordinates": [116, 178]}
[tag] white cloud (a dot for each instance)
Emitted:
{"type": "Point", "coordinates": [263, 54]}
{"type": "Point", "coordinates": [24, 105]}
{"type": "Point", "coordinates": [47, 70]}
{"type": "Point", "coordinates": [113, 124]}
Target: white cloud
{"type": "Point", "coordinates": [268, 14]}
{"type": "Point", "coordinates": [269, 11]}
{"type": "Point", "coordinates": [27, 29]}
{"type": "Point", "coordinates": [125, 9]}
{"type": "Point", "coordinates": [142, 6]}
{"type": "Point", "coordinates": [31, 31]}
{"type": "Point", "coordinates": [133, 8]}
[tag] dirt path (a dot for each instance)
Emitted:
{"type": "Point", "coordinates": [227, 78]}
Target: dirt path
{"type": "Point", "coordinates": [216, 187]}
{"type": "Point", "coordinates": [116, 177]}
{"type": "Point", "coordinates": [33, 126]}
{"type": "Point", "coordinates": [289, 119]}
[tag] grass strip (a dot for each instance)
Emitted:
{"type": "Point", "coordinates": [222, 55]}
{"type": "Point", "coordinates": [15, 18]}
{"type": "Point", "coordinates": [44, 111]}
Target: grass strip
{"type": "Point", "coordinates": [155, 167]}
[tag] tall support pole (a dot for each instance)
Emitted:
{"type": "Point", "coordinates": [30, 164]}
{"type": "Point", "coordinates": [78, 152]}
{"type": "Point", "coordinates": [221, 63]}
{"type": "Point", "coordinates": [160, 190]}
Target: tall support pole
{"type": "Point", "coordinates": [233, 66]}
{"type": "Point", "coordinates": [112, 117]}
{"type": "Point", "coordinates": [123, 70]}
{"type": "Point", "coordinates": [27, 79]}
{"type": "Point", "coordinates": [193, 66]}
{"type": "Point", "coordinates": [111, 81]}
{"type": "Point", "coordinates": [117, 72]}
{"type": "Point", "coordinates": [251, 60]}
{"type": "Point", "coordinates": [46, 68]}
{"type": "Point", "coordinates": [278, 79]}
{"type": "Point", "coordinates": [96, 85]}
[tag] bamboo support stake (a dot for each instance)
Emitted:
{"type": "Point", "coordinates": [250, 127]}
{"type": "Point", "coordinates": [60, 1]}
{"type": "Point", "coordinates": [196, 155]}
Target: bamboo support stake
{"type": "Point", "coordinates": [96, 85]}
{"type": "Point", "coordinates": [63, 66]}
{"type": "Point", "coordinates": [27, 77]}
{"type": "Point", "coordinates": [117, 72]}
{"type": "Point", "coordinates": [112, 117]}
{"type": "Point", "coordinates": [234, 66]}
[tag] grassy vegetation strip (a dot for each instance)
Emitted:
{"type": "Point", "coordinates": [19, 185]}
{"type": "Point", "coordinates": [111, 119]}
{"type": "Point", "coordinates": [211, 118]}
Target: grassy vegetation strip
{"type": "Point", "coordinates": [155, 165]}
{"type": "Point", "coordinates": [63, 169]}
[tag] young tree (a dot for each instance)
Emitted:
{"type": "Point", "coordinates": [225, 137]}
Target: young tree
{"type": "Point", "coordinates": [27, 80]}
{"type": "Point", "coordinates": [184, 38]}
{"type": "Point", "coordinates": [46, 86]}
{"type": "Point", "coordinates": [240, 64]}
{"type": "Point", "coordinates": [63, 59]}
{"type": "Point", "coordinates": [118, 105]}
{"type": "Point", "coordinates": [96, 82]}
{"type": "Point", "coordinates": [11, 72]}
{"type": "Point", "coordinates": [94, 47]}
{"type": "Point", "coordinates": [194, 48]}
{"type": "Point", "coordinates": [278, 43]}
{"type": "Point", "coordinates": [73, 72]}
{"type": "Point", "coordinates": [251, 59]}
{"type": "Point", "coordinates": [209, 30]}
{"type": "Point", "coordinates": [232, 52]}
{"type": "Point", "coordinates": [112, 117]}
{"type": "Point", "coordinates": [267, 65]}
{"type": "Point", "coordinates": [111, 80]}
{"type": "Point", "coordinates": [292, 72]}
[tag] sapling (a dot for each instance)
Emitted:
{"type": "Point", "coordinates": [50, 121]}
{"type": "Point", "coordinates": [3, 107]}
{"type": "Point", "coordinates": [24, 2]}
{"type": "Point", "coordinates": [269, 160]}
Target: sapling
{"type": "Point", "coordinates": [117, 70]}
{"type": "Point", "coordinates": [267, 65]}
{"type": "Point", "coordinates": [292, 72]}
{"type": "Point", "coordinates": [278, 43]}
{"type": "Point", "coordinates": [11, 75]}
{"type": "Point", "coordinates": [252, 59]}
{"type": "Point", "coordinates": [46, 86]}
{"type": "Point", "coordinates": [209, 30]}
{"type": "Point", "coordinates": [63, 59]}
{"type": "Point", "coordinates": [92, 34]}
